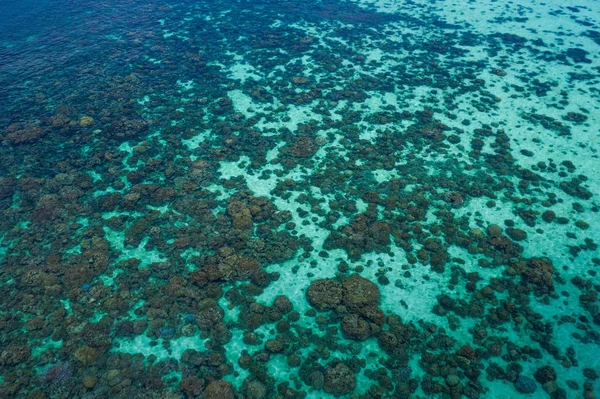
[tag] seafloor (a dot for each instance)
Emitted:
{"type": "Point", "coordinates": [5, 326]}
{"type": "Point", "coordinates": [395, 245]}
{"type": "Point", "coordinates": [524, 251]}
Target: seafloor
{"type": "Point", "coordinates": [299, 199]}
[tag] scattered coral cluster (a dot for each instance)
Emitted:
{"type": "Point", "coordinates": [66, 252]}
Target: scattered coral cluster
{"type": "Point", "coordinates": [299, 199]}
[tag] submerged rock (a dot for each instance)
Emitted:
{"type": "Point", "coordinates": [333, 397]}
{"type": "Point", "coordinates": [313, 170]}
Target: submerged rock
{"type": "Point", "coordinates": [545, 374]}
{"type": "Point", "coordinates": [256, 390]}
{"type": "Point", "coordinates": [525, 384]}
{"type": "Point", "coordinates": [339, 380]}
{"type": "Point", "coordinates": [324, 294]}
{"type": "Point", "coordinates": [219, 390]}
{"type": "Point", "coordinates": [359, 292]}
{"type": "Point", "coordinates": [16, 134]}
{"type": "Point", "coordinates": [355, 327]}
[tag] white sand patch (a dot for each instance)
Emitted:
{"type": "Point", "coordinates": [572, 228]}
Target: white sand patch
{"type": "Point", "coordinates": [142, 344]}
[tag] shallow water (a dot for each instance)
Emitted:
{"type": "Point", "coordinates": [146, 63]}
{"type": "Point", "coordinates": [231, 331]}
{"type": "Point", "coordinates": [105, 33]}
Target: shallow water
{"type": "Point", "coordinates": [299, 199]}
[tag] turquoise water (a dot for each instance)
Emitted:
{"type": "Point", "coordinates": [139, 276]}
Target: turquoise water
{"type": "Point", "coordinates": [299, 199]}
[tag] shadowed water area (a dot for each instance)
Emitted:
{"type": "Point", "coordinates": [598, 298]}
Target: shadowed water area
{"type": "Point", "coordinates": [365, 199]}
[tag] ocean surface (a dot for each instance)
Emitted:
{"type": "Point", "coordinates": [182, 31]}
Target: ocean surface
{"type": "Point", "coordinates": [281, 199]}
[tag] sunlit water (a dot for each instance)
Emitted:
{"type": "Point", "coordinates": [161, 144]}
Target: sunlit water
{"type": "Point", "coordinates": [299, 199]}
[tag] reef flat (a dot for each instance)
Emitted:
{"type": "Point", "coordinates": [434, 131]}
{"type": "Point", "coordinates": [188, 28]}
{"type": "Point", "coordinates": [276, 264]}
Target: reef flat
{"type": "Point", "coordinates": [365, 199]}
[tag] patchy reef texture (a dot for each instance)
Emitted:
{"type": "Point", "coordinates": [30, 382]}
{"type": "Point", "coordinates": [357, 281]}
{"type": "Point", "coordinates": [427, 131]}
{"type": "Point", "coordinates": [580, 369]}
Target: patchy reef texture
{"type": "Point", "coordinates": [281, 199]}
